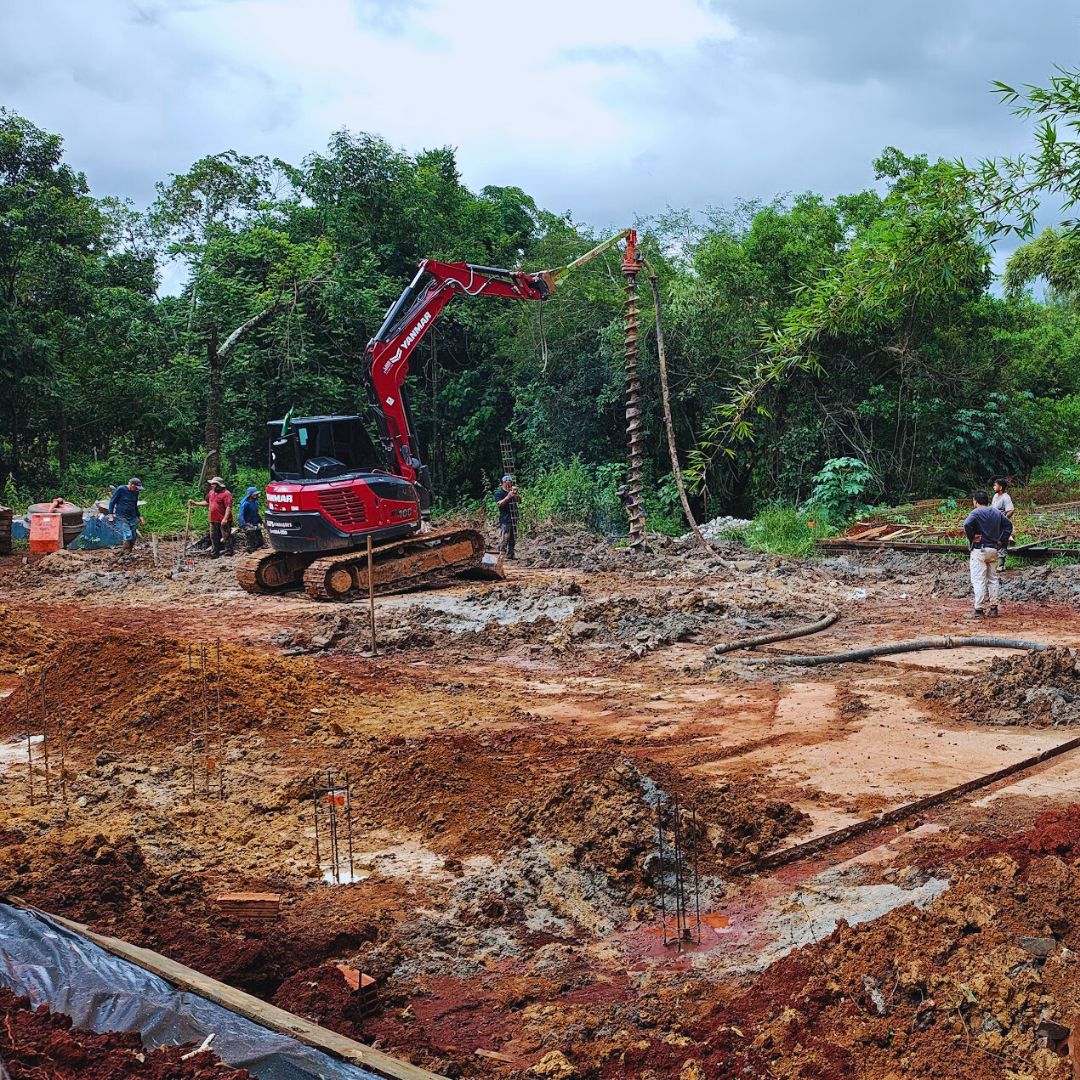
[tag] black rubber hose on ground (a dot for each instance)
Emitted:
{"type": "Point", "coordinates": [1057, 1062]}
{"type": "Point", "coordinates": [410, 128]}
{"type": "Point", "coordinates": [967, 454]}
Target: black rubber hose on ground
{"type": "Point", "coordinates": [777, 635]}
{"type": "Point", "coordinates": [902, 647]}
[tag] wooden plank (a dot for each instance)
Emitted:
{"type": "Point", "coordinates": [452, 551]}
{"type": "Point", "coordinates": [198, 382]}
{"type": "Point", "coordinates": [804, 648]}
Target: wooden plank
{"type": "Point", "coordinates": [785, 856]}
{"type": "Point", "coordinates": [261, 1012]}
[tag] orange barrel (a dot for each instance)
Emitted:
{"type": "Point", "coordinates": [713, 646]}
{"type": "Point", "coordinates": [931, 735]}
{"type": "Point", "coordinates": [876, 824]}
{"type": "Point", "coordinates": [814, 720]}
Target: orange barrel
{"type": "Point", "coordinates": [46, 532]}
{"type": "Point", "coordinates": [71, 515]}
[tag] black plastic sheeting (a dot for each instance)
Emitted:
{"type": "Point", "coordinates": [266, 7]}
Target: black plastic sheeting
{"type": "Point", "coordinates": [53, 965]}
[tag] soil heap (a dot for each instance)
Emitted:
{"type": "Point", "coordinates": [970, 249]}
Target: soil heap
{"type": "Point", "coordinates": [1037, 689]}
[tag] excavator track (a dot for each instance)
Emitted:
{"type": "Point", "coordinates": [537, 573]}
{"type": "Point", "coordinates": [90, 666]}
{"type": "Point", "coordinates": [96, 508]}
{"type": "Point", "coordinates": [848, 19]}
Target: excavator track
{"type": "Point", "coordinates": [398, 566]}
{"type": "Point", "coordinates": [268, 572]}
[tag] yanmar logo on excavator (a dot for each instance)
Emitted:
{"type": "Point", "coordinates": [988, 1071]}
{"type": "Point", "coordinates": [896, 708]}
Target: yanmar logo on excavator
{"type": "Point", "coordinates": [410, 337]}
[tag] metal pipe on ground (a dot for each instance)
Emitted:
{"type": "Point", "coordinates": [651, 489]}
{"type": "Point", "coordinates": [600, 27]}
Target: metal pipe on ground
{"type": "Point", "coordinates": [891, 649]}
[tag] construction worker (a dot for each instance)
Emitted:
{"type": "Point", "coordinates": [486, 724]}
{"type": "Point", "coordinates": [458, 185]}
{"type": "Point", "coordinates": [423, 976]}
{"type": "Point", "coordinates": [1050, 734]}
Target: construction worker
{"type": "Point", "coordinates": [219, 503]}
{"type": "Point", "coordinates": [249, 520]}
{"type": "Point", "coordinates": [987, 531]}
{"type": "Point", "coordinates": [1002, 501]}
{"type": "Point", "coordinates": [124, 512]}
{"type": "Point", "coordinates": [506, 499]}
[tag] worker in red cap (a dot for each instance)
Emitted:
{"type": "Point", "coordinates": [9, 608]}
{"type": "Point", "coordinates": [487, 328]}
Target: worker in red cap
{"type": "Point", "coordinates": [219, 500]}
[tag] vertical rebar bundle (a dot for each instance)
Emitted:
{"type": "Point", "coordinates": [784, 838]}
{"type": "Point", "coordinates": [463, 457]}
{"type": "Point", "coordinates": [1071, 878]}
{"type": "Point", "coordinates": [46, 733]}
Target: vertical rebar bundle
{"type": "Point", "coordinates": [332, 800]}
{"type": "Point", "coordinates": [678, 883]}
{"type": "Point", "coordinates": [632, 501]}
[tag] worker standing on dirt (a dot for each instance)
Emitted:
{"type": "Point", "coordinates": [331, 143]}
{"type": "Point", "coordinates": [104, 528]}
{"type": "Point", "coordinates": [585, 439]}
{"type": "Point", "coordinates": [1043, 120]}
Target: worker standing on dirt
{"type": "Point", "coordinates": [124, 512]}
{"type": "Point", "coordinates": [987, 531]}
{"type": "Point", "coordinates": [219, 503]}
{"type": "Point", "coordinates": [1002, 501]}
{"type": "Point", "coordinates": [506, 499]}
{"type": "Point", "coordinates": [250, 521]}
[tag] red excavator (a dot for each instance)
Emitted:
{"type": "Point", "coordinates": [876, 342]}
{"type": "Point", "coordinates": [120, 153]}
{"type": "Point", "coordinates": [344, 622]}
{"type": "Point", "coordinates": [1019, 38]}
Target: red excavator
{"type": "Point", "coordinates": [330, 489]}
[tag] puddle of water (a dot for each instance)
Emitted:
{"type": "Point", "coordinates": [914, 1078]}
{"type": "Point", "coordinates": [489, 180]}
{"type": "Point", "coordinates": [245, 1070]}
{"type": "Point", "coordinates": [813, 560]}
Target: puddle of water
{"type": "Point", "coordinates": [343, 877]}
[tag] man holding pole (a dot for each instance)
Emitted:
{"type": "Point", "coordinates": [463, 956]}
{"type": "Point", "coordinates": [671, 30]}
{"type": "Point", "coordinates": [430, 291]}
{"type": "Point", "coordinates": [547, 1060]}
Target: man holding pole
{"type": "Point", "coordinates": [506, 499]}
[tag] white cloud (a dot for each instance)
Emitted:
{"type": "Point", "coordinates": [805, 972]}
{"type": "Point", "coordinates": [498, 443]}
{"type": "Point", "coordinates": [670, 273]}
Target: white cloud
{"type": "Point", "coordinates": [603, 107]}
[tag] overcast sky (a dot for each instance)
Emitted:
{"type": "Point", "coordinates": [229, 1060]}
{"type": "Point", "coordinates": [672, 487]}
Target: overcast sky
{"type": "Point", "coordinates": [606, 108]}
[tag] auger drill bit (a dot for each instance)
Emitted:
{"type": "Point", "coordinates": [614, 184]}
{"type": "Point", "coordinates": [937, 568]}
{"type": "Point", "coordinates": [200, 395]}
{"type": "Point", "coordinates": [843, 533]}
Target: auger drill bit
{"type": "Point", "coordinates": [631, 264]}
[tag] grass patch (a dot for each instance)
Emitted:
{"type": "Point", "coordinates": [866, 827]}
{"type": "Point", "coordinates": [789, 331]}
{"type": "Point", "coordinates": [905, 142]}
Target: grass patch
{"type": "Point", "coordinates": [785, 531]}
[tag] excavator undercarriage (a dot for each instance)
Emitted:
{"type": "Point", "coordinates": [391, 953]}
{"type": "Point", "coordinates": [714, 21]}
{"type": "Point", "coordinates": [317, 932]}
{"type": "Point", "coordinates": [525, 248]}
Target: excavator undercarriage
{"type": "Point", "coordinates": [424, 559]}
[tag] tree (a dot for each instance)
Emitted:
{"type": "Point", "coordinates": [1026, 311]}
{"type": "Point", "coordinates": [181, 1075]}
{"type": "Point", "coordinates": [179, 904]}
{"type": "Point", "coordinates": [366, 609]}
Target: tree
{"type": "Point", "coordinates": [51, 233]}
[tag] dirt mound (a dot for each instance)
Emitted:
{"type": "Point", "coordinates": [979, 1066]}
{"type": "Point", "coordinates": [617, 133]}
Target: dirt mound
{"type": "Point", "coordinates": [24, 641]}
{"type": "Point", "coordinates": [322, 995]}
{"type": "Point", "coordinates": [1040, 689]}
{"type": "Point", "coordinates": [36, 1044]}
{"type": "Point", "coordinates": [1054, 833]}
{"type": "Point", "coordinates": [1037, 689]}
{"type": "Point", "coordinates": [105, 882]}
{"type": "Point", "coordinates": [119, 686]}
{"type": "Point", "coordinates": [467, 795]}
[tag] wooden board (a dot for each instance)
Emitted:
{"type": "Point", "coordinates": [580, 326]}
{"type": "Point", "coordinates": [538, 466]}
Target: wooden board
{"type": "Point", "coordinates": [260, 1012]}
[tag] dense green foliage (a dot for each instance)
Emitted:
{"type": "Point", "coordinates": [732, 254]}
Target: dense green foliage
{"type": "Point", "coordinates": [826, 352]}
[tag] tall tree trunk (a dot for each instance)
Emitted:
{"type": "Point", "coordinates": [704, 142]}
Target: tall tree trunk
{"type": "Point", "coordinates": [212, 465]}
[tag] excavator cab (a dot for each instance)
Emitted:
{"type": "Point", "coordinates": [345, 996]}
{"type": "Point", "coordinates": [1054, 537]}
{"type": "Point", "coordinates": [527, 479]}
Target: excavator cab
{"type": "Point", "coordinates": [314, 448]}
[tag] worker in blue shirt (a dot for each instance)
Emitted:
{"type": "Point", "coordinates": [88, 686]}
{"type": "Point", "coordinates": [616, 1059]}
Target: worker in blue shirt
{"type": "Point", "coordinates": [988, 530]}
{"type": "Point", "coordinates": [250, 521]}
{"type": "Point", "coordinates": [124, 512]}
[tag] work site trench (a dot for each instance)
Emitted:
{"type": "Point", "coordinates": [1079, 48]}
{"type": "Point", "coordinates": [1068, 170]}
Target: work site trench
{"type": "Point", "coordinates": [553, 826]}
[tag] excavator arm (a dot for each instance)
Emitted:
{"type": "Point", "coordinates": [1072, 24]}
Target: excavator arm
{"type": "Point", "coordinates": [411, 317]}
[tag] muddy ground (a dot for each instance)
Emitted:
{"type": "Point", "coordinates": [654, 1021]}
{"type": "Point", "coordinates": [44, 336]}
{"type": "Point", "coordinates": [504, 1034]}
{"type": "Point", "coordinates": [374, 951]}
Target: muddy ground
{"type": "Point", "coordinates": [510, 753]}
{"type": "Point", "coordinates": [38, 1045]}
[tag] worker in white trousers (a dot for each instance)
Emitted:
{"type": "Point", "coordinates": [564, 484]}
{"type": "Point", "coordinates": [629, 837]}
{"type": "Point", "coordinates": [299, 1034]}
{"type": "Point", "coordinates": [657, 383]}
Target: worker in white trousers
{"type": "Point", "coordinates": [987, 530]}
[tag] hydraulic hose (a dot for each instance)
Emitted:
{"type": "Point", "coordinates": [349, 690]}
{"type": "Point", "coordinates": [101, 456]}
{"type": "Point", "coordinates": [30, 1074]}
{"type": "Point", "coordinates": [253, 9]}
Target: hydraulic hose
{"type": "Point", "coordinates": [777, 635]}
{"type": "Point", "coordinates": [868, 653]}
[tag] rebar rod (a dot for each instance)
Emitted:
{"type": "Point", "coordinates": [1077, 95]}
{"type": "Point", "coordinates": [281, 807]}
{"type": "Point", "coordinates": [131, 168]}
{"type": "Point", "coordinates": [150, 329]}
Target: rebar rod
{"type": "Point", "coordinates": [219, 764]}
{"type": "Point", "coordinates": [680, 901]}
{"type": "Point", "coordinates": [29, 743]}
{"type": "Point", "coordinates": [333, 824]}
{"type": "Point", "coordinates": [191, 723]}
{"type": "Point", "coordinates": [371, 595]}
{"type": "Point", "coordinates": [206, 719]}
{"type": "Point", "coordinates": [45, 732]}
{"type": "Point", "coordinates": [663, 898]}
{"type": "Point", "coordinates": [62, 738]}
{"type": "Point", "coordinates": [348, 823]}
{"type": "Point", "coordinates": [697, 879]}
{"type": "Point", "coordinates": [315, 801]}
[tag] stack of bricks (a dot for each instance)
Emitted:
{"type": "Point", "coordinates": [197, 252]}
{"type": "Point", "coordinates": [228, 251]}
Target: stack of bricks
{"type": "Point", "coordinates": [250, 907]}
{"type": "Point", "coordinates": [6, 514]}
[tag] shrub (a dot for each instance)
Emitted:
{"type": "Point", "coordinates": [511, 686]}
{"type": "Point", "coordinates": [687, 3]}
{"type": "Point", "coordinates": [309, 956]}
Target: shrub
{"type": "Point", "coordinates": [840, 489]}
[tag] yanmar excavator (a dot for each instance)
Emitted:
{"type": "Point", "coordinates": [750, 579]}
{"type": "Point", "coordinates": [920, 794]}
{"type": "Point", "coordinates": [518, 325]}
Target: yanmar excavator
{"type": "Point", "coordinates": [330, 489]}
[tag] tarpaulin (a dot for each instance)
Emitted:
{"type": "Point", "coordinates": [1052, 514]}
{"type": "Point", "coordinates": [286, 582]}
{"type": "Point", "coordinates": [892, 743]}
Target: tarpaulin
{"type": "Point", "coordinates": [55, 966]}
{"type": "Point", "coordinates": [98, 532]}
